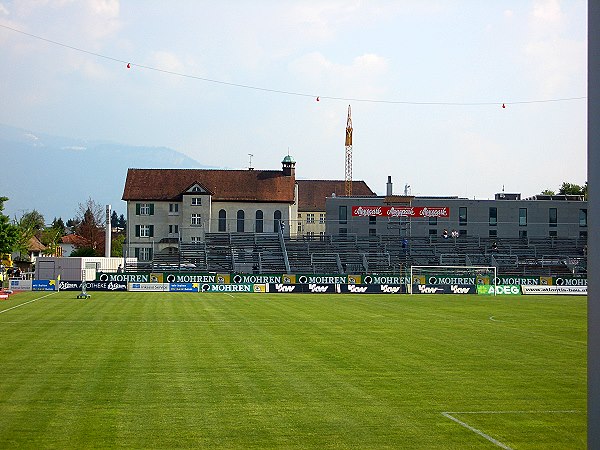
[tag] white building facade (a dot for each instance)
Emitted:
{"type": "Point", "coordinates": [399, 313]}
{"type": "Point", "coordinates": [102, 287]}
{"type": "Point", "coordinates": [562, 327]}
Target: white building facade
{"type": "Point", "coordinates": [166, 207]}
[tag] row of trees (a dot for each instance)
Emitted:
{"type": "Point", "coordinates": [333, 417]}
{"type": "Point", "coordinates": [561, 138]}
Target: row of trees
{"type": "Point", "coordinates": [569, 189]}
{"type": "Point", "coordinates": [88, 226]}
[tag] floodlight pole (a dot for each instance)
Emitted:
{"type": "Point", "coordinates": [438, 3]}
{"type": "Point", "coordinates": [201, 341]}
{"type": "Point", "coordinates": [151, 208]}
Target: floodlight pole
{"type": "Point", "coordinates": [107, 243]}
{"type": "Point", "coordinates": [593, 368]}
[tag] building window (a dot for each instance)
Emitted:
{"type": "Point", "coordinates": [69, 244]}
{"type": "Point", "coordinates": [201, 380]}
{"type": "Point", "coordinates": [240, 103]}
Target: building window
{"type": "Point", "coordinates": [493, 216]}
{"type": "Point", "coordinates": [583, 217]}
{"type": "Point", "coordinates": [259, 221]}
{"type": "Point", "coordinates": [196, 220]}
{"type": "Point", "coordinates": [523, 234]}
{"type": "Point", "coordinates": [462, 215]}
{"type": "Point", "coordinates": [222, 220]}
{"type": "Point", "coordinates": [143, 254]}
{"type": "Point", "coordinates": [196, 201]}
{"type": "Point", "coordinates": [310, 218]}
{"type": "Point", "coordinates": [311, 235]}
{"type": "Point", "coordinates": [372, 220]}
{"type": "Point", "coordinates": [276, 221]}
{"type": "Point", "coordinates": [433, 222]}
{"type": "Point", "coordinates": [432, 232]}
{"type": "Point", "coordinates": [144, 209]}
{"type": "Point", "coordinates": [553, 233]}
{"type": "Point", "coordinates": [372, 232]}
{"type": "Point", "coordinates": [322, 218]}
{"type": "Point", "coordinates": [343, 231]}
{"type": "Point", "coordinates": [343, 214]}
{"type": "Point", "coordinates": [173, 209]}
{"type": "Point", "coordinates": [583, 234]}
{"type": "Point", "coordinates": [322, 236]}
{"type": "Point", "coordinates": [299, 227]}
{"type": "Point", "coordinates": [552, 217]}
{"type": "Point", "coordinates": [174, 229]}
{"type": "Point", "coordinates": [522, 217]}
{"type": "Point", "coordinates": [240, 221]}
{"type": "Point", "coordinates": [493, 233]}
{"type": "Point", "coordinates": [195, 239]}
{"type": "Point", "coordinates": [144, 230]}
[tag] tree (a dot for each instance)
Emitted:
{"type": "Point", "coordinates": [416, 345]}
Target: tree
{"type": "Point", "coordinates": [122, 222]}
{"type": "Point", "coordinates": [59, 225]}
{"type": "Point", "coordinates": [548, 192]}
{"type": "Point", "coordinates": [9, 233]}
{"type": "Point", "coordinates": [72, 224]}
{"type": "Point", "coordinates": [114, 219]}
{"type": "Point", "coordinates": [33, 220]}
{"type": "Point", "coordinates": [30, 224]}
{"type": "Point", "coordinates": [116, 248]}
{"type": "Point", "coordinates": [51, 236]}
{"type": "Point", "coordinates": [571, 189]}
{"type": "Point", "coordinates": [90, 225]}
{"type": "Point", "coordinates": [83, 252]}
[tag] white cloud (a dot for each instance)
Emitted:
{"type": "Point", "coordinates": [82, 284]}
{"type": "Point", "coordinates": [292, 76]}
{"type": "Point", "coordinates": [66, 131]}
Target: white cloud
{"type": "Point", "coordinates": [554, 60]}
{"type": "Point", "coordinates": [102, 19]}
{"type": "Point", "coordinates": [547, 12]}
{"type": "Point", "coordinates": [82, 21]}
{"type": "Point", "coordinates": [167, 61]}
{"type": "Point", "coordinates": [361, 78]}
{"type": "Point", "coordinates": [319, 20]}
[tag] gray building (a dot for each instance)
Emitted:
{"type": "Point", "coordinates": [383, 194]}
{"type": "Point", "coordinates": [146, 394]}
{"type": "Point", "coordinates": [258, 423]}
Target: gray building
{"type": "Point", "coordinates": [506, 217]}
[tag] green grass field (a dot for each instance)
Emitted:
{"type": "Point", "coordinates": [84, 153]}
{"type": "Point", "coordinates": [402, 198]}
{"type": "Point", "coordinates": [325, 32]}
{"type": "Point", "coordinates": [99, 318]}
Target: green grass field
{"type": "Point", "coordinates": [154, 370]}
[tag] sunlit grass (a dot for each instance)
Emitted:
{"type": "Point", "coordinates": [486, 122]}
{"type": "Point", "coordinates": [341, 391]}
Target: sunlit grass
{"type": "Point", "coordinates": [150, 370]}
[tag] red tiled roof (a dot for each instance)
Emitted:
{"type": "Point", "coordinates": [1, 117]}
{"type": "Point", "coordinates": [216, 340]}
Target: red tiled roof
{"type": "Point", "coordinates": [312, 193]}
{"type": "Point", "coordinates": [75, 239]}
{"type": "Point", "coordinates": [34, 245]}
{"type": "Point", "coordinates": [224, 185]}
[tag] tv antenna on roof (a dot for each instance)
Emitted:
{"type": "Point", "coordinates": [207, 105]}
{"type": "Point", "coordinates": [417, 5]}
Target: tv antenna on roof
{"type": "Point", "coordinates": [250, 163]}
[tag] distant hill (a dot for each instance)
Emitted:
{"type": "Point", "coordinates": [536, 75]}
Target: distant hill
{"type": "Point", "coordinates": [55, 174]}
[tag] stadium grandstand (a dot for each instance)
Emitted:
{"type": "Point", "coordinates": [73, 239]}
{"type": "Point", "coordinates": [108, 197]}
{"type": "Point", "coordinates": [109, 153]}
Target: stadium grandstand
{"type": "Point", "coordinates": [266, 221]}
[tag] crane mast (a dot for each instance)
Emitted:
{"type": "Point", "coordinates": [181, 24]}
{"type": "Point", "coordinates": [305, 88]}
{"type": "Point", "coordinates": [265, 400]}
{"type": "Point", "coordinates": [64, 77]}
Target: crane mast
{"type": "Point", "coordinates": [348, 178]}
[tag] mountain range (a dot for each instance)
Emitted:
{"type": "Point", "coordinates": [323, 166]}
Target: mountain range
{"type": "Point", "coordinates": [54, 175]}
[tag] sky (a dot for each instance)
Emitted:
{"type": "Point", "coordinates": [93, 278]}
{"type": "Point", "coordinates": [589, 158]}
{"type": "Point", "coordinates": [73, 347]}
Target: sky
{"type": "Point", "coordinates": [218, 81]}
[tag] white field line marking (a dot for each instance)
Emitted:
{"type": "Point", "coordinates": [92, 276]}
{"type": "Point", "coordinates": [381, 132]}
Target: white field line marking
{"type": "Point", "coordinates": [476, 431]}
{"type": "Point", "coordinates": [241, 321]}
{"type": "Point", "coordinates": [547, 337]}
{"type": "Point", "coordinates": [448, 415]}
{"type": "Point", "coordinates": [568, 411]}
{"type": "Point", "coordinates": [495, 320]}
{"type": "Point", "coordinates": [22, 304]}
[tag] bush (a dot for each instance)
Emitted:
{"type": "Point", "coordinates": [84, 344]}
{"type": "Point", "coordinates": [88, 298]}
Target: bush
{"type": "Point", "coordinates": [83, 252]}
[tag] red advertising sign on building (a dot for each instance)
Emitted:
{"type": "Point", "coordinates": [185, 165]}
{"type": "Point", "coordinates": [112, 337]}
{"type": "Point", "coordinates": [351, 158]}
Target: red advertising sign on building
{"type": "Point", "coordinates": [401, 211]}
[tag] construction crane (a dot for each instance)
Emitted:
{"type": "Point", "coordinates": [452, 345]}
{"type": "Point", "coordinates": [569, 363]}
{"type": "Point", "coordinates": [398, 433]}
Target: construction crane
{"type": "Point", "coordinates": [348, 179]}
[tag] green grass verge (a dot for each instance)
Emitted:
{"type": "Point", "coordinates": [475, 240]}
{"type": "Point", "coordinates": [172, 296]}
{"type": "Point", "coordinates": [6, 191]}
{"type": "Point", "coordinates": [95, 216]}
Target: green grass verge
{"type": "Point", "coordinates": [154, 370]}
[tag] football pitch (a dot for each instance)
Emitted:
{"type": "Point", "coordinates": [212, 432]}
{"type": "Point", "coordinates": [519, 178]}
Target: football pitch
{"type": "Point", "coordinates": [326, 371]}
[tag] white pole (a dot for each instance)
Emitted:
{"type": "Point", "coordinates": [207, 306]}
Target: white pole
{"type": "Point", "coordinates": [107, 243]}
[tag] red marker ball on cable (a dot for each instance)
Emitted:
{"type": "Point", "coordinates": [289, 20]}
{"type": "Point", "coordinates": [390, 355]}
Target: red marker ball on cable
{"type": "Point", "coordinates": [318, 99]}
{"type": "Point", "coordinates": [503, 105]}
{"type": "Point", "coordinates": [128, 66]}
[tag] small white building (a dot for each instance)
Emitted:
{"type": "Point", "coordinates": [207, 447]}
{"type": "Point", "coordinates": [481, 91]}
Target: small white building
{"type": "Point", "coordinates": [76, 269]}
